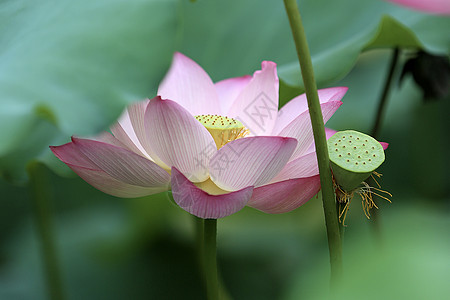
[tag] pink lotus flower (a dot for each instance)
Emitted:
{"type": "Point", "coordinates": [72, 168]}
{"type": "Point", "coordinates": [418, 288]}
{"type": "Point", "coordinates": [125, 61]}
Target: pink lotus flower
{"type": "Point", "coordinates": [218, 146]}
{"type": "Point", "coordinates": [441, 7]}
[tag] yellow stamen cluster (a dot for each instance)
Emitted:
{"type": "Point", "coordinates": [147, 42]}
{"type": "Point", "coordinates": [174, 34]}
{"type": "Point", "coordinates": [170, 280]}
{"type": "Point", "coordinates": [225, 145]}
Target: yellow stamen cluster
{"type": "Point", "coordinates": [222, 129]}
{"type": "Point", "coordinates": [366, 193]}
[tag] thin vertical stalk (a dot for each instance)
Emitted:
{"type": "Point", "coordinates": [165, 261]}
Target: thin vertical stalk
{"type": "Point", "coordinates": [41, 197]}
{"type": "Point", "coordinates": [210, 258]}
{"type": "Point", "coordinates": [376, 227]}
{"type": "Point", "coordinates": [328, 197]}
{"type": "Point", "coordinates": [385, 93]}
{"type": "Point", "coordinates": [199, 239]}
{"type": "Point", "coordinates": [341, 224]}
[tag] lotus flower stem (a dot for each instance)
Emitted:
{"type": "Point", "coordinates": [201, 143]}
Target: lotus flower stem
{"type": "Point", "coordinates": [377, 125]}
{"type": "Point", "coordinates": [210, 258]}
{"type": "Point", "coordinates": [40, 195]}
{"type": "Point", "coordinates": [199, 241]}
{"type": "Point", "coordinates": [385, 94]}
{"type": "Point", "coordinates": [341, 225]}
{"type": "Point", "coordinates": [328, 197]}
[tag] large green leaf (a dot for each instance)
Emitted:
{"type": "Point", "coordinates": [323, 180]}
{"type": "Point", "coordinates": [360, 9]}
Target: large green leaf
{"type": "Point", "coordinates": [232, 38]}
{"type": "Point", "coordinates": [357, 26]}
{"type": "Point", "coordinates": [76, 64]}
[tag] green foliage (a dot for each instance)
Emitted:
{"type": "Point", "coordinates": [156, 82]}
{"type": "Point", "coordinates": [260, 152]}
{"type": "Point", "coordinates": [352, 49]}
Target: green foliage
{"type": "Point", "coordinates": [71, 67]}
{"type": "Point", "coordinates": [246, 32]}
{"type": "Point", "coordinates": [75, 64]}
{"type": "Point", "coordinates": [370, 25]}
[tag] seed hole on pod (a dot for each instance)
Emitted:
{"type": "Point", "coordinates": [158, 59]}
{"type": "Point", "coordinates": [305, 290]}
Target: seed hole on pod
{"type": "Point", "coordinates": [340, 155]}
{"type": "Point", "coordinates": [364, 163]}
{"type": "Point", "coordinates": [367, 152]}
{"type": "Point", "coordinates": [348, 153]}
{"type": "Point", "coordinates": [364, 144]}
{"type": "Point", "coordinates": [370, 159]}
{"type": "Point", "coordinates": [348, 160]}
{"type": "Point", "coordinates": [359, 156]}
{"type": "Point", "coordinates": [374, 155]}
{"type": "Point", "coordinates": [354, 148]}
{"type": "Point", "coordinates": [336, 149]}
{"type": "Point", "coordinates": [356, 163]}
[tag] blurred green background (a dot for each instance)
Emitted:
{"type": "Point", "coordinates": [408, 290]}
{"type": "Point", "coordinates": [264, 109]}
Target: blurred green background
{"type": "Point", "coordinates": [71, 67]}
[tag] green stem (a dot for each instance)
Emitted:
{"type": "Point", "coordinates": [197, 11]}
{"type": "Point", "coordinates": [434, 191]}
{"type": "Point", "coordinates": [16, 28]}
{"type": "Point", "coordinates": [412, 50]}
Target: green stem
{"type": "Point", "coordinates": [199, 228]}
{"type": "Point", "coordinates": [199, 242]}
{"type": "Point", "coordinates": [41, 197]}
{"type": "Point", "coordinates": [385, 94]}
{"type": "Point", "coordinates": [210, 258]}
{"type": "Point", "coordinates": [376, 227]}
{"type": "Point", "coordinates": [328, 197]}
{"type": "Point", "coordinates": [341, 224]}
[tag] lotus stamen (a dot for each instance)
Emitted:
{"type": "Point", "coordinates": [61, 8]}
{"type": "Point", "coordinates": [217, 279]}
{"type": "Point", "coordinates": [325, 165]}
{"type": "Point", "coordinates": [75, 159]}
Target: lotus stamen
{"type": "Point", "coordinates": [223, 129]}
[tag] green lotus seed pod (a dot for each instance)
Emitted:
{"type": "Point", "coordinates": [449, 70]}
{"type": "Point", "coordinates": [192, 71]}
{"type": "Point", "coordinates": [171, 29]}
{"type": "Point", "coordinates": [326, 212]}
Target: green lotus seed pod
{"type": "Point", "coordinates": [353, 157]}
